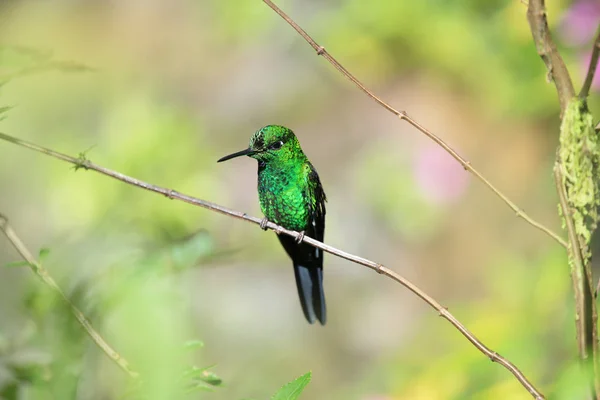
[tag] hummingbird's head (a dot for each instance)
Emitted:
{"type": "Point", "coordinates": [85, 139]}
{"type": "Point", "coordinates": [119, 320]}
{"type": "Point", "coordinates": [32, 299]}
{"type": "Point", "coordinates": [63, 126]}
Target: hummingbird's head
{"type": "Point", "coordinates": [272, 142]}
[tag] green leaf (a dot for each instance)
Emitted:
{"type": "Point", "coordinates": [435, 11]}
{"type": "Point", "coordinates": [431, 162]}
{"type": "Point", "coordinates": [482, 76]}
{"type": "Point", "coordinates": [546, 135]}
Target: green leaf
{"type": "Point", "coordinates": [211, 378]}
{"type": "Point", "coordinates": [43, 254]}
{"type": "Point", "coordinates": [15, 264]}
{"type": "Point", "coordinates": [292, 390]}
{"type": "Point", "coordinates": [192, 372]}
{"type": "Point", "coordinates": [5, 109]}
{"type": "Point", "coordinates": [202, 374]}
{"type": "Point", "coordinates": [193, 344]}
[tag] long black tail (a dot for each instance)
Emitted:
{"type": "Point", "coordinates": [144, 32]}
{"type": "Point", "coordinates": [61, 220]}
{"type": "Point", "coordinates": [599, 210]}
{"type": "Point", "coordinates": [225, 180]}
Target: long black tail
{"type": "Point", "coordinates": [309, 281]}
{"type": "Point", "coordinates": [308, 269]}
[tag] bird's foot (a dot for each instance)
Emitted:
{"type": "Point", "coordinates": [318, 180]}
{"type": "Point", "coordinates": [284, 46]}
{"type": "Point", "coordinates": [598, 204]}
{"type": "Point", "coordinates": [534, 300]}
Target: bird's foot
{"type": "Point", "coordinates": [300, 237]}
{"type": "Point", "coordinates": [263, 223]}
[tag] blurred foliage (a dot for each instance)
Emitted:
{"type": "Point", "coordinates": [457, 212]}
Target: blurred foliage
{"type": "Point", "coordinates": [174, 86]}
{"type": "Point", "coordinates": [17, 62]}
{"type": "Point", "coordinates": [58, 372]}
{"type": "Point", "coordinates": [473, 47]}
{"type": "Point", "coordinates": [3, 110]}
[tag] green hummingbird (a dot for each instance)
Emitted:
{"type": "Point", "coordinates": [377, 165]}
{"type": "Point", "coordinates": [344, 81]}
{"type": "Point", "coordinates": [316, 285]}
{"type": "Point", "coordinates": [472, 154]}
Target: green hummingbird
{"type": "Point", "coordinates": [291, 195]}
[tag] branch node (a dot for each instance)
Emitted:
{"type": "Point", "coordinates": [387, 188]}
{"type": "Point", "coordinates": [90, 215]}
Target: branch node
{"type": "Point", "coordinates": [263, 223]}
{"type": "Point", "coordinates": [82, 163]}
{"type": "Point", "coordinates": [549, 75]}
{"type": "Point", "coordinates": [443, 311]}
{"type": "Point", "coordinates": [320, 50]}
{"type": "Point", "coordinates": [82, 160]}
{"type": "Point", "coordinates": [170, 194]}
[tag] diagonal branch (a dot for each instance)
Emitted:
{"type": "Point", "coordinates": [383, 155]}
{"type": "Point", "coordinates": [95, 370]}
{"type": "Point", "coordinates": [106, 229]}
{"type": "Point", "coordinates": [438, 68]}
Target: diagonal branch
{"type": "Point", "coordinates": [82, 162]}
{"type": "Point", "coordinates": [43, 274]}
{"type": "Point", "coordinates": [589, 76]}
{"type": "Point", "coordinates": [405, 117]}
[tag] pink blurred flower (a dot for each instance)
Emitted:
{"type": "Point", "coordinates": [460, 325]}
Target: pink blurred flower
{"type": "Point", "coordinates": [439, 177]}
{"type": "Point", "coordinates": [577, 29]}
{"type": "Point", "coordinates": [580, 22]}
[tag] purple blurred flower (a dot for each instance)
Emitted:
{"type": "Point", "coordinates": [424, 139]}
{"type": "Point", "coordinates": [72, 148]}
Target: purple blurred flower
{"type": "Point", "coordinates": [580, 22]}
{"type": "Point", "coordinates": [439, 177]}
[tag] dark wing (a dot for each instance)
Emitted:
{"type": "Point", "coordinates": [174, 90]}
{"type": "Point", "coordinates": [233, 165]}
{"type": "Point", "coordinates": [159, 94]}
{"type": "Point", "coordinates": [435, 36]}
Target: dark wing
{"type": "Point", "coordinates": [316, 223]}
{"type": "Point", "coordinates": [309, 274]}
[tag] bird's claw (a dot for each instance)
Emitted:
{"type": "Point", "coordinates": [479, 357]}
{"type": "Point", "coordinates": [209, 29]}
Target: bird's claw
{"type": "Point", "coordinates": [300, 237]}
{"type": "Point", "coordinates": [263, 223]}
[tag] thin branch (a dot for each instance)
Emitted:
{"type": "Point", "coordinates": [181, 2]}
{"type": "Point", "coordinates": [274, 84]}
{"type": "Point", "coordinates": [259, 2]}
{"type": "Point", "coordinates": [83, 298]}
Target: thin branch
{"type": "Point", "coordinates": [405, 117]}
{"type": "Point", "coordinates": [82, 162]}
{"type": "Point", "coordinates": [589, 76]}
{"type": "Point", "coordinates": [583, 339]}
{"type": "Point", "coordinates": [585, 323]}
{"type": "Point", "coordinates": [557, 71]}
{"type": "Point", "coordinates": [43, 274]}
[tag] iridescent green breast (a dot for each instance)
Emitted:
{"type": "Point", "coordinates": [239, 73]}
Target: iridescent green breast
{"type": "Point", "coordinates": [284, 194]}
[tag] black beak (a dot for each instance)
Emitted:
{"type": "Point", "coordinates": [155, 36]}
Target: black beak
{"type": "Point", "coordinates": [246, 152]}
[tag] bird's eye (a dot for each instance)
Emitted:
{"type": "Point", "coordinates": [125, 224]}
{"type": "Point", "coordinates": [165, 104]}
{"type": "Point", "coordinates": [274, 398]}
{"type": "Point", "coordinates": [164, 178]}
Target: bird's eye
{"type": "Point", "coordinates": [276, 145]}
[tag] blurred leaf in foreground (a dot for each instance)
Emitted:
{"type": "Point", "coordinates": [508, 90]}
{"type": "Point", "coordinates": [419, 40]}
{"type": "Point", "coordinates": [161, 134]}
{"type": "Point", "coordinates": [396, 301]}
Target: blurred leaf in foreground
{"type": "Point", "coordinates": [3, 111]}
{"type": "Point", "coordinates": [294, 389]}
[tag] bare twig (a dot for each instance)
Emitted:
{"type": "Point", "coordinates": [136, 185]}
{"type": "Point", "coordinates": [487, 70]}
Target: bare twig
{"type": "Point", "coordinates": [589, 76]}
{"type": "Point", "coordinates": [84, 163]}
{"type": "Point", "coordinates": [42, 273]}
{"type": "Point", "coordinates": [557, 71]}
{"type": "Point", "coordinates": [405, 117]}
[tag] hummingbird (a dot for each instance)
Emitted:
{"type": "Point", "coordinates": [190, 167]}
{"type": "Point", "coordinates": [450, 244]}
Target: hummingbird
{"type": "Point", "coordinates": [291, 195]}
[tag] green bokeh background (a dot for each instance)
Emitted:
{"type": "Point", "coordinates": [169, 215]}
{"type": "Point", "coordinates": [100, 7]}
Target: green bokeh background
{"type": "Point", "coordinates": [176, 85]}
